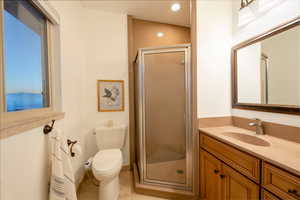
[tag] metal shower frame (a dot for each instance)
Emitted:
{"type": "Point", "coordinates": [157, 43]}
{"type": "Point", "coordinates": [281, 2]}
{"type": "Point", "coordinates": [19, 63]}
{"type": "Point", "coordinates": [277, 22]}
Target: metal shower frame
{"type": "Point", "coordinates": [186, 48]}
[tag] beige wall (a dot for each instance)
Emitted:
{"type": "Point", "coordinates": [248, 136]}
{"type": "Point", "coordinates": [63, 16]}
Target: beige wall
{"type": "Point", "coordinates": [92, 47]}
{"type": "Point", "coordinates": [24, 158]}
{"type": "Point", "coordinates": [106, 58]}
{"type": "Point", "coordinates": [214, 37]}
{"type": "Point", "coordinates": [24, 166]}
{"type": "Point", "coordinates": [144, 34]}
{"type": "Point", "coordinates": [73, 74]}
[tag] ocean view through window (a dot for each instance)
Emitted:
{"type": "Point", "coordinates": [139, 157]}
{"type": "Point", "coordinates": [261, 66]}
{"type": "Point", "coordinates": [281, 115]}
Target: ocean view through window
{"type": "Point", "coordinates": [25, 57]}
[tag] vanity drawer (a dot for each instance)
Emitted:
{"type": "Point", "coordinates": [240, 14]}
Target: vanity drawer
{"type": "Point", "coordinates": [281, 183]}
{"type": "Point", "coordinates": [242, 162]}
{"type": "Point", "coordinates": [268, 196]}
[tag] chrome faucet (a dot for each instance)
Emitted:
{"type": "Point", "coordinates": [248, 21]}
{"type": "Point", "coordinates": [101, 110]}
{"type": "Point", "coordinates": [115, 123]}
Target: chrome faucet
{"type": "Point", "coordinates": [258, 125]}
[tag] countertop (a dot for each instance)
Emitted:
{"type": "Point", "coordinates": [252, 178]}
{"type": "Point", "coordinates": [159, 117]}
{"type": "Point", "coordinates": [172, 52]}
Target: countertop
{"type": "Point", "coordinates": [283, 153]}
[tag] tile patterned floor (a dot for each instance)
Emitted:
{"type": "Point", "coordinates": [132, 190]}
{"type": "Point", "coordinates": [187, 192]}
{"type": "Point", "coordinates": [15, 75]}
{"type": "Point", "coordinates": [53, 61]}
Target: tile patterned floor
{"type": "Point", "coordinates": [88, 191]}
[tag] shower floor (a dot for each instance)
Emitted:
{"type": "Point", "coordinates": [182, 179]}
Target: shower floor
{"type": "Point", "coordinates": [169, 171]}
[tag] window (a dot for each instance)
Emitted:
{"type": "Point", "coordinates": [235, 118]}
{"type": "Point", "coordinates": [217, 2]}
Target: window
{"type": "Point", "coordinates": [29, 85]}
{"type": "Point", "coordinates": [25, 57]}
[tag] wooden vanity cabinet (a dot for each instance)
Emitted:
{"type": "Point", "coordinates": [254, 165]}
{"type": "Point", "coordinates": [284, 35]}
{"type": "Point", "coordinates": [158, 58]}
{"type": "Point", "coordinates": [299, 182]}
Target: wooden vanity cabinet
{"type": "Point", "coordinates": [268, 196]}
{"type": "Point", "coordinates": [221, 182]}
{"type": "Point", "coordinates": [236, 186]}
{"type": "Point", "coordinates": [210, 175]}
{"type": "Point", "coordinates": [227, 173]}
{"type": "Point", "coordinates": [244, 163]}
{"type": "Point", "coordinates": [281, 183]}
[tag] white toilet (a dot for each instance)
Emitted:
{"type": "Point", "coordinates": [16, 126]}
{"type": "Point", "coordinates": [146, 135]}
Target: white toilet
{"type": "Point", "coordinates": [107, 163]}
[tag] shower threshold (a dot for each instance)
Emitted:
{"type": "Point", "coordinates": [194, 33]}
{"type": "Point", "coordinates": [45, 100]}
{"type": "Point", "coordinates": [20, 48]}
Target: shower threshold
{"type": "Point", "coordinates": [159, 191]}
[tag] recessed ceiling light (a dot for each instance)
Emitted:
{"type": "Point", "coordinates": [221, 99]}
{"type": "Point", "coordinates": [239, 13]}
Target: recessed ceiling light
{"type": "Point", "coordinates": [160, 34]}
{"type": "Point", "coordinates": [175, 7]}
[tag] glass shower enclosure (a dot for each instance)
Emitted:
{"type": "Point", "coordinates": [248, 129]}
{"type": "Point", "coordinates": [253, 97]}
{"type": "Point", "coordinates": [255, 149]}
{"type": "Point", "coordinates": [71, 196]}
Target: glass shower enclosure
{"type": "Point", "coordinates": [163, 116]}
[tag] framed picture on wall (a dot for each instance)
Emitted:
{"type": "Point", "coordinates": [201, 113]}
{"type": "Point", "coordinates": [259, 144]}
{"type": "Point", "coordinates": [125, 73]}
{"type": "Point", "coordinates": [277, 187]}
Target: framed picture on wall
{"type": "Point", "coordinates": [110, 95]}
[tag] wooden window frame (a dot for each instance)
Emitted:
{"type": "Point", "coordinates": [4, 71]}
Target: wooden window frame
{"type": "Point", "coordinates": [12, 123]}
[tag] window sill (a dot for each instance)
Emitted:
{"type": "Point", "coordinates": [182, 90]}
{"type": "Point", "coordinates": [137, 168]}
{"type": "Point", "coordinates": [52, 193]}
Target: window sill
{"type": "Point", "coordinates": [13, 127]}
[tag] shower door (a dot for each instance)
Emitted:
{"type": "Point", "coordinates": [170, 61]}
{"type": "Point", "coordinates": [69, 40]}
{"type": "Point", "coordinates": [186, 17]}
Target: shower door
{"type": "Point", "coordinates": [164, 116]}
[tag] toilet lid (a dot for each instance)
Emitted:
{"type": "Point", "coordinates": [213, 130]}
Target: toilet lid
{"type": "Point", "coordinates": [107, 160]}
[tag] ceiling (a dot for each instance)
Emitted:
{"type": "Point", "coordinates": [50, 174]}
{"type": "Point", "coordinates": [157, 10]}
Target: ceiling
{"type": "Point", "coordinates": [152, 10]}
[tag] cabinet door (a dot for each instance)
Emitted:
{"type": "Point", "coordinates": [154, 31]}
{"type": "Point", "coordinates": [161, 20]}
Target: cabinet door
{"type": "Point", "coordinates": [238, 160]}
{"type": "Point", "coordinates": [209, 176]}
{"type": "Point", "coordinates": [268, 196]}
{"type": "Point", "coordinates": [237, 187]}
{"type": "Point", "coordinates": [283, 184]}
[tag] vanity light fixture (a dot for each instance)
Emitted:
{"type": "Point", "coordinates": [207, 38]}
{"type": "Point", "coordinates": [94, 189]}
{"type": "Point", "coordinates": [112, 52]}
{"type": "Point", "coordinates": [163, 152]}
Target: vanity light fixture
{"type": "Point", "coordinates": [175, 7]}
{"type": "Point", "coordinates": [160, 34]}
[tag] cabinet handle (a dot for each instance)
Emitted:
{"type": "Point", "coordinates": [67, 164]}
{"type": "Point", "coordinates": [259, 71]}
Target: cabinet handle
{"type": "Point", "coordinates": [294, 192]}
{"type": "Point", "coordinates": [216, 171]}
{"type": "Point", "coordinates": [222, 176]}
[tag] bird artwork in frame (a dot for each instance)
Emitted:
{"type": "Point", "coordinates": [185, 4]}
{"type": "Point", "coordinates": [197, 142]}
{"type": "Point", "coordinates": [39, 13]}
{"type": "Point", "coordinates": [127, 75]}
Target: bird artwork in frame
{"type": "Point", "coordinates": [110, 95]}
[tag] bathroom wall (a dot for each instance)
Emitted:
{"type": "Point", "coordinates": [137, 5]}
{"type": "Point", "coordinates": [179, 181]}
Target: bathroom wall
{"type": "Point", "coordinates": [215, 39]}
{"type": "Point", "coordinates": [145, 34]}
{"type": "Point", "coordinates": [214, 36]}
{"type": "Point", "coordinates": [92, 47]}
{"type": "Point", "coordinates": [24, 158]}
{"type": "Point", "coordinates": [24, 166]}
{"type": "Point", "coordinates": [107, 58]}
{"type": "Point", "coordinates": [73, 74]}
{"type": "Point", "coordinates": [286, 11]}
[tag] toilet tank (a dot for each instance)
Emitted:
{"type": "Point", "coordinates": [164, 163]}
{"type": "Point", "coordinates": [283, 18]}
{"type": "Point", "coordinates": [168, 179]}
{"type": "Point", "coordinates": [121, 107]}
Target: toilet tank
{"type": "Point", "coordinates": [110, 137]}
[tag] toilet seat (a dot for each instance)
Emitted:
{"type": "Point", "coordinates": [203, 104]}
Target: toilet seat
{"type": "Point", "coordinates": [107, 162]}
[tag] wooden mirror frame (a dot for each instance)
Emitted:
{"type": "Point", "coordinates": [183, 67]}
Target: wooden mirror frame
{"type": "Point", "coordinates": [276, 108]}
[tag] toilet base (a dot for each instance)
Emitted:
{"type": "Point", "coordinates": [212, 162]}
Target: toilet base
{"type": "Point", "coordinates": [109, 190]}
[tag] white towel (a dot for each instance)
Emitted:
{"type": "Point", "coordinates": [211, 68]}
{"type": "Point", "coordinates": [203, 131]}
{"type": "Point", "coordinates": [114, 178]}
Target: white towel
{"type": "Point", "coordinates": [62, 185]}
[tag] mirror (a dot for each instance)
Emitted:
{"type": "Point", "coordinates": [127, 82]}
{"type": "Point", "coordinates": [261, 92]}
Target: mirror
{"type": "Point", "coordinates": [266, 71]}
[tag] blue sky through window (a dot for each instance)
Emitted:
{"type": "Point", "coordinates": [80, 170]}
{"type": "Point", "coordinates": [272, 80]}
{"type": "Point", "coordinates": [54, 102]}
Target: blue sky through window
{"type": "Point", "coordinates": [23, 57]}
